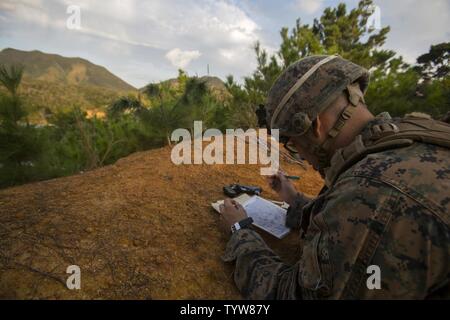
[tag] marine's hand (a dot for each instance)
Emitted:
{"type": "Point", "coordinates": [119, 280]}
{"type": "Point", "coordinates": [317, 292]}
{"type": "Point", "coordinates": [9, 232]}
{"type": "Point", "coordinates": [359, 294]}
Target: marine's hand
{"type": "Point", "coordinates": [281, 185]}
{"type": "Point", "coordinates": [230, 213]}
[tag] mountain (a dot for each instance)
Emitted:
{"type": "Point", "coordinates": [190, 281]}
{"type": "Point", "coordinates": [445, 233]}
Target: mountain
{"type": "Point", "coordinates": [52, 83]}
{"type": "Point", "coordinates": [56, 68]}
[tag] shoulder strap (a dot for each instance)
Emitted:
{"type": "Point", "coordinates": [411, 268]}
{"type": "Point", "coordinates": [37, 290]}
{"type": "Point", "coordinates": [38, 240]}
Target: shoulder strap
{"type": "Point", "coordinates": [385, 136]}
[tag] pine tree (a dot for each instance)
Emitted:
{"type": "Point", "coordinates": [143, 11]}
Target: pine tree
{"type": "Point", "coordinates": [337, 31]}
{"type": "Point", "coordinates": [19, 143]}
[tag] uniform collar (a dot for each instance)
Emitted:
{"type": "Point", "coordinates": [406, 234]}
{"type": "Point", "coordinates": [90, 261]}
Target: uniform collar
{"type": "Point", "coordinates": [355, 146]}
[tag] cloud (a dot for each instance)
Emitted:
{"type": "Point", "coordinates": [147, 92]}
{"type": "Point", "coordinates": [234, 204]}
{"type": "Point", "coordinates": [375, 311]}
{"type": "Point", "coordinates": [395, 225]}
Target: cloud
{"type": "Point", "coordinates": [227, 54]}
{"type": "Point", "coordinates": [309, 6]}
{"type": "Point", "coordinates": [144, 41]}
{"type": "Point", "coordinates": [181, 59]}
{"type": "Point", "coordinates": [418, 28]}
{"type": "Point", "coordinates": [28, 10]}
{"type": "Point", "coordinates": [172, 33]}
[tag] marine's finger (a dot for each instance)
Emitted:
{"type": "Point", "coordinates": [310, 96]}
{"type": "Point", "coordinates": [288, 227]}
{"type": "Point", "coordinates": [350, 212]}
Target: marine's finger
{"type": "Point", "coordinates": [276, 182]}
{"type": "Point", "coordinates": [238, 205]}
{"type": "Point", "coordinates": [228, 203]}
{"type": "Point", "coordinates": [282, 176]}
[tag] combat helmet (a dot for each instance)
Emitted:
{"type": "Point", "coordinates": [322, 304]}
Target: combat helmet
{"type": "Point", "coordinates": [306, 88]}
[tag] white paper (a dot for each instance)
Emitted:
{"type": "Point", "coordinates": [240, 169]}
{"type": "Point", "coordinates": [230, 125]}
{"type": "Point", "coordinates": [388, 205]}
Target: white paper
{"type": "Point", "coordinates": [266, 215]}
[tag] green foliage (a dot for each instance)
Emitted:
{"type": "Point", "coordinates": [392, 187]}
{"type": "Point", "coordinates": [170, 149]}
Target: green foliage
{"type": "Point", "coordinates": [71, 141]}
{"type": "Point", "coordinates": [402, 89]}
{"type": "Point", "coordinates": [395, 86]}
{"type": "Point", "coordinates": [42, 96]}
{"type": "Point", "coordinates": [241, 110]}
{"type": "Point", "coordinates": [124, 104]}
{"type": "Point", "coordinates": [346, 34]}
{"type": "Point", "coordinates": [19, 144]}
{"type": "Point", "coordinates": [172, 105]}
{"type": "Point", "coordinates": [337, 31]}
{"type": "Point", "coordinates": [268, 69]}
{"type": "Point", "coordinates": [400, 92]}
{"type": "Point", "coordinates": [435, 63]}
{"type": "Point", "coordinates": [11, 77]}
{"type": "Point", "coordinates": [84, 144]}
{"type": "Point", "coordinates": [393, 93]}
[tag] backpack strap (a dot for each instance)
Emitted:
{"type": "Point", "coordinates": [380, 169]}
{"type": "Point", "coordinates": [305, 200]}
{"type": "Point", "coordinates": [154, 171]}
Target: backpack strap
{"type": "Point", "coordinates": [385, 136]}
{"type": "Point", "coordinates": [344, 158]}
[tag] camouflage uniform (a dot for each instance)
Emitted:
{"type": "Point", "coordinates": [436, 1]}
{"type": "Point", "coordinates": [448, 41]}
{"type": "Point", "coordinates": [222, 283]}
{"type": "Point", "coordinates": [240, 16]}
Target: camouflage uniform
{"type": "Point", "coordinates": [390, 209]}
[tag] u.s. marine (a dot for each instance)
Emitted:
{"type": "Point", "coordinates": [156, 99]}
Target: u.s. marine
{"type": "Point", "coordinates": [386, 200]}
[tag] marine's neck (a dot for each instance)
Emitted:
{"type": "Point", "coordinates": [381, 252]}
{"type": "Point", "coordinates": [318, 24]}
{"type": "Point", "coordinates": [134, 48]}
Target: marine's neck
{"type": "Point", "coordinates": [351, 129]}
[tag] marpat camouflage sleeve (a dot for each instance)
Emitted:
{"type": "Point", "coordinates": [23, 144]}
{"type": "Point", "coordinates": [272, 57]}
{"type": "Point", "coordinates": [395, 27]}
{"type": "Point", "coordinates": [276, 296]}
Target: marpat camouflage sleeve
{"type": "Point", "coordinates": [259, 272]}
{"type": "Point", "coordinates": [294, 213]}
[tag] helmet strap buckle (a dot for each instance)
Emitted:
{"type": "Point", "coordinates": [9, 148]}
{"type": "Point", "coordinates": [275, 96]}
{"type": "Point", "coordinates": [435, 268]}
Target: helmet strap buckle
{"type": "Point", "coordinates": [323, 151]}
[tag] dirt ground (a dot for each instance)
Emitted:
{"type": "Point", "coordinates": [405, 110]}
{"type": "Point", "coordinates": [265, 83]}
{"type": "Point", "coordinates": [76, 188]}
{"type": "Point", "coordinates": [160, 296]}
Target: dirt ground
{"type": "Point", "coordinates": [142, 228]}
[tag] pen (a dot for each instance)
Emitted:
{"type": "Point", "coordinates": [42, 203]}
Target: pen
{"type": "Point", "coordinates": [292, 177]}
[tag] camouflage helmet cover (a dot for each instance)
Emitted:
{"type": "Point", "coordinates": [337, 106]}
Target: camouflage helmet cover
{"type": "Point", "coordinates": [318, 91]}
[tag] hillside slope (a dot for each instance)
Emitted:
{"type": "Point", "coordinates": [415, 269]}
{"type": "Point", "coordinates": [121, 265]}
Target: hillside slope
{"type": "Point", "coordinates": [55, 68]}
{"type": "Point", "coordinates": [141, 228]}
{"type": "Point", "coordinates": [52, 83]}
{"type": "Point", "coordinates": [42, 97]}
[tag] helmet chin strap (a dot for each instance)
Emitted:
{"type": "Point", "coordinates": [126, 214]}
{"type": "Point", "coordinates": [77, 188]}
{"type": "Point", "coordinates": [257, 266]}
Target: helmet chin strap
{"type": "Point", "coordinates": [323, 151]}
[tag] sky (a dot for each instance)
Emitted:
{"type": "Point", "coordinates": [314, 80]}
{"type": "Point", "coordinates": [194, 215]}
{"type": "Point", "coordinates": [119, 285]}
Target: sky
{"type": "Point", "coordinates": [144, 41]}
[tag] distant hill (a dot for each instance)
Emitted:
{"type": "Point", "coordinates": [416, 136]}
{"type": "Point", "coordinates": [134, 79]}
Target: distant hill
{"type": "Point", "coordinates": [53, 83]}
{"type": "Point", "coordinates": [215, 85]}
{"type": "Point", "coordinates": [56, 68]}
{"type": "Point", "coordinates": [44, 97]}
